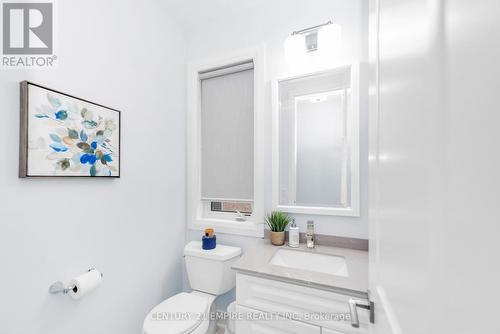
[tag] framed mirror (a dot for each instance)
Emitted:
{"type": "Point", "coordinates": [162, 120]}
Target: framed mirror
{"type": "Point", "coordinates": [316, 143]}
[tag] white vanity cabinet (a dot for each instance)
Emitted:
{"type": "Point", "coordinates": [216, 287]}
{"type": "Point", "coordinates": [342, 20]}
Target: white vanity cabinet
{"type": "Point", "coordinates": [256, 322]}
{"type": "Point", "coordinates": [304, 310]}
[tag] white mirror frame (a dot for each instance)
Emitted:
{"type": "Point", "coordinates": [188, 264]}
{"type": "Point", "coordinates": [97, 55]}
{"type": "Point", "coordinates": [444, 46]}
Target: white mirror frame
{"type": "Point", "coordinates": [354, 209]}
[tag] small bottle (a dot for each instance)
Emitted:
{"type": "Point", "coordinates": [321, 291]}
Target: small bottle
{"type": "Point", "coordinates": [209, 240]}
{"type": "Point", "coordinates": [293, 235]}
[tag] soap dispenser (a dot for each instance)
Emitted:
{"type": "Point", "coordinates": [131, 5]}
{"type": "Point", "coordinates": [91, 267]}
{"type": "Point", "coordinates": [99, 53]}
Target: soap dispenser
{"type": "Point", "coordinates": [293, 235]}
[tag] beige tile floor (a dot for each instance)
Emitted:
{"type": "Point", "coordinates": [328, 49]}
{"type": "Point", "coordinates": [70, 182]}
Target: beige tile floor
{"type": "Point", "coordinates": [221, 327]}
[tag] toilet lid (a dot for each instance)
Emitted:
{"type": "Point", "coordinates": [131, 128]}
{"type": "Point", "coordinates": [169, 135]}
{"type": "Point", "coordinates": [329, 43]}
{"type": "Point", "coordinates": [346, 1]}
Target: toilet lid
{"type": "Point", "coordinates": [219, 253]}
{"type": "Point", "coordinates": [177, 315]}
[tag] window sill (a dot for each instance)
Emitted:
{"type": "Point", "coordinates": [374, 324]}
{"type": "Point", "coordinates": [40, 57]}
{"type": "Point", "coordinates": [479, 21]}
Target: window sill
{"type": "Point", "coordinates": [246, 228]}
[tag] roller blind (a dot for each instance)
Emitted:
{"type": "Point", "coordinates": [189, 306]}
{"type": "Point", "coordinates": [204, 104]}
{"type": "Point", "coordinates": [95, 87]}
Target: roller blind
{"type": "Point", "coordinates": [227, 132]}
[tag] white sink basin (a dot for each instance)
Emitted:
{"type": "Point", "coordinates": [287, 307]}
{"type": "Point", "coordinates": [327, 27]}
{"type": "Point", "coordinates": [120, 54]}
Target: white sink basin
{"type": "Point", "coordinates": [320, 263]}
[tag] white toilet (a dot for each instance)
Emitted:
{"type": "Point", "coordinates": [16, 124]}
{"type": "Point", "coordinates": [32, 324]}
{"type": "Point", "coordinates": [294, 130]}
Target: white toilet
{"type": "Point", "coordinates": [210, 275]}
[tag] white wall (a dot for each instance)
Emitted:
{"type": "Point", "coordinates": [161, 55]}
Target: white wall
{"type": "Point", "coordinates": [128, 55]}
{"type": "Point", "coordinates": [436, 177]}
{"type": "Point", "coordinates": [269, 23]}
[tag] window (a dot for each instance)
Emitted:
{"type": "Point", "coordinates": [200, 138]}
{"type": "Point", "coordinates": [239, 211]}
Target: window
{"type": "Point", "coordinates": [235, 207]}
{"type": "Point", "coordinates": [227, 135]}
{"type": "Point", "coordinates": [224, 159]}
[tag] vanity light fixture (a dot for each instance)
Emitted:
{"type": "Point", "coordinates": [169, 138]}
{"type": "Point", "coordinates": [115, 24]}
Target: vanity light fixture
{"type": "Point", "coordinates": [330, 39]}
{"type": "Point", "coordinates": [323, 39]}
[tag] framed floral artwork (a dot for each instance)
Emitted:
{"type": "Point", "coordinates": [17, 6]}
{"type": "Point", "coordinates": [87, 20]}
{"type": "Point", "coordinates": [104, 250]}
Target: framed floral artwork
{"type": "Point", "coordinates": [65, 136]}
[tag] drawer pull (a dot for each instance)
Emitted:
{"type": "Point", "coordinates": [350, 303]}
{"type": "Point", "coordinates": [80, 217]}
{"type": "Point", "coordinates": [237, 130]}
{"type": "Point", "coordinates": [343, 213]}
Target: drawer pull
{"type": "Point", "coordinates": [366, 304]}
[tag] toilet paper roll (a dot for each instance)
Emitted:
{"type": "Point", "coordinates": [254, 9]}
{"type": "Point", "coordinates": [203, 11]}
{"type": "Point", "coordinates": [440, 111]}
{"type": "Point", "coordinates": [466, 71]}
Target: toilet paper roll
{"type": "Point", "coordinates": [85, 283]}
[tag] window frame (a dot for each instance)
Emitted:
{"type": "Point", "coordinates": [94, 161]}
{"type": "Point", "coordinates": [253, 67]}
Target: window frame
{"type": "Point", "coordinates": [354, 209]}
{"type": "Point", "coordinates": [197, 216]}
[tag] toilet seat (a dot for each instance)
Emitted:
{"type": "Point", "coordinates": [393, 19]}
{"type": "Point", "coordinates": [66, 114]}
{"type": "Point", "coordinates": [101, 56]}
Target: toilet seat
{"type": "Point", "coordinates": [179, 314]}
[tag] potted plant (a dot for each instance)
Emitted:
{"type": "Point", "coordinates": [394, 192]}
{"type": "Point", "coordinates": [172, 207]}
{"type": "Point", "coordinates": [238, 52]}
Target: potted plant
{"type": "Point", "coordinates": [277, 222]}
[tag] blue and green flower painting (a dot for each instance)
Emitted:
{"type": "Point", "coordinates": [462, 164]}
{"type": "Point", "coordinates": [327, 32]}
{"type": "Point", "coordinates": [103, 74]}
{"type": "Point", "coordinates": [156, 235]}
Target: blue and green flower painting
{"type": "Point", "coordinates": [71, 137]}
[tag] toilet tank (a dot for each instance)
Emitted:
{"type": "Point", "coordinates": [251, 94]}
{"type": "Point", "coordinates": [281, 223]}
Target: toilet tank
{"type": "Point", "coordinates": [210, 270]}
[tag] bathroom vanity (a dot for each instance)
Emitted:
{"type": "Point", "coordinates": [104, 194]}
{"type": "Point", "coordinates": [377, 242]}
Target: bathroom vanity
{"type": "Point", "coordinates": [303, 291]}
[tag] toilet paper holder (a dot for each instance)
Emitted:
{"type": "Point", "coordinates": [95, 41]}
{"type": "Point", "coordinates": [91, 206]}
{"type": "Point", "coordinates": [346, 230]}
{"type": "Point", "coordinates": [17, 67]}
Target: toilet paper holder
{"type": "Point", "coordinates": [60, 287]}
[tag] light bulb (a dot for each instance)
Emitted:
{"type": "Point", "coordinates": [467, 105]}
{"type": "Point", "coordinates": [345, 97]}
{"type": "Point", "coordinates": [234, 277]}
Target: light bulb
{"type": "Point", "coordinates": [318, 98]}
{"type": "Point", "coordinates": [295, 48]}
{"type": "Point", "coordinates": [330, 40]}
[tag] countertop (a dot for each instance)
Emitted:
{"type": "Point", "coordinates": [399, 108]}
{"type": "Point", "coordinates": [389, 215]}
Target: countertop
{"type": "Point", "coordinates": [255, 261]}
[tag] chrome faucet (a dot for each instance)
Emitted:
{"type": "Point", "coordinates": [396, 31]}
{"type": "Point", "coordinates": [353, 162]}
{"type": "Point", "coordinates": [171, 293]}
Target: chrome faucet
{"type": "Point", "coordinates": [310, 234]}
